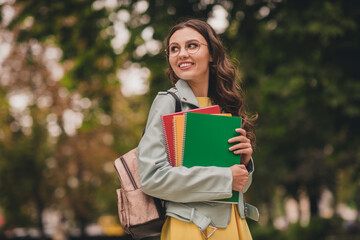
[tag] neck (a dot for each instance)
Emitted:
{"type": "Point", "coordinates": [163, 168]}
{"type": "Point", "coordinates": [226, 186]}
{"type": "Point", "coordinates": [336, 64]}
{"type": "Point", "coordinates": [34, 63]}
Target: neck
{"type": "Point", "coordinates": [200, 89]}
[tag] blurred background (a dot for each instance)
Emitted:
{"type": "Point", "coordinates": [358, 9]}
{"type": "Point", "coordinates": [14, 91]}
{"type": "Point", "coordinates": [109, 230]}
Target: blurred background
{"type": "Point", "coordinates": [77, 78]}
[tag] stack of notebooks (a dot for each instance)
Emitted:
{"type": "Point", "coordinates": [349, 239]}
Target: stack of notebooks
{"type": "Point", "coordinates": [199, 137]}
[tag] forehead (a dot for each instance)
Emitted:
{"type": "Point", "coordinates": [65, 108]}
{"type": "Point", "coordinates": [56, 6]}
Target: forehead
{"type": "Point", "coordinates": [186, 34]}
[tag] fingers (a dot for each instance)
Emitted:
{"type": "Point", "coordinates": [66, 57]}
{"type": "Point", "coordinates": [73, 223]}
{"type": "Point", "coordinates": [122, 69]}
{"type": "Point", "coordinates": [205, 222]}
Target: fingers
{"type": "Point", "coordinates": [241, 131]}
{"type": "Point", "coordinates": [247, 151]}
{"type": "Point", "coordinates": [237, 168]}
{"type": "Point", "coordinates": [240, 146]}
{"type": "Point", "coordinates": [241, 166]}
{"type": "Point", "coordinates": [239, 171]}
{"type": "Point", "coordinates": [240, 176]}
{"type": "Point", "coordinates": [240, 187]}
{"type": "Point", "coordinates": [239, 138]}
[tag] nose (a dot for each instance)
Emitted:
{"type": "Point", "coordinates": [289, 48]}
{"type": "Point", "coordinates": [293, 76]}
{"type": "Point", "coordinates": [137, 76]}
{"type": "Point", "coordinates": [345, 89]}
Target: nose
{"type": "Point", "coordinates": [183, 52]}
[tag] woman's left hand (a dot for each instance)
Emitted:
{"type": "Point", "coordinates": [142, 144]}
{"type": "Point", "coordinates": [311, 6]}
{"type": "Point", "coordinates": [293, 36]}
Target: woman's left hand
{"type": "Point", "coordinates": [243, 146]}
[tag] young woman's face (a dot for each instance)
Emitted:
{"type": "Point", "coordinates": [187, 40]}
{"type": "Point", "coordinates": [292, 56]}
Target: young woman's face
{"type": "Point", "coordinates": [189, 55]}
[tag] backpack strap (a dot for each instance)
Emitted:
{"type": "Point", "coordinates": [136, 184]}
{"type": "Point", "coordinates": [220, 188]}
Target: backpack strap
{"type": "Point", "coordinates": [177, 100]}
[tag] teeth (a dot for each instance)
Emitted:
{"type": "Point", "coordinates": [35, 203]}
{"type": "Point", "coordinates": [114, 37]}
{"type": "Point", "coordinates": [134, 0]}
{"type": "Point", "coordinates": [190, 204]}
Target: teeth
{"type": "Point", "coordinates": [185, 64]}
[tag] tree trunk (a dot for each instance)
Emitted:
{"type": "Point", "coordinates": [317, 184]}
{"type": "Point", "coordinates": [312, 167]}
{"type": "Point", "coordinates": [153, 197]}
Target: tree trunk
{"type": "Point", "coordinates": [39, 210]}
{"type": "Point", "coordinates": [82, 227]}
{"type": "Point", "coordinates": [314, 207]}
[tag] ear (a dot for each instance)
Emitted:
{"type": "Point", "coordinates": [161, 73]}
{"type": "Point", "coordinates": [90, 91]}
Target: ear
{"type": "Point", "coordinates": [210, 59]}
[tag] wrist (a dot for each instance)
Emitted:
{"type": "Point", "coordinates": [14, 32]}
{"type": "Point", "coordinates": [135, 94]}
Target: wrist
{"type": "Point", "coordinates": [245, 160]}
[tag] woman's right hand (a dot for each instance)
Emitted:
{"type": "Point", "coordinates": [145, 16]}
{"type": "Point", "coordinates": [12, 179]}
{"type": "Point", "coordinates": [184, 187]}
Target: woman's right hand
{"type": "Point", "coordinates": [240, 176]}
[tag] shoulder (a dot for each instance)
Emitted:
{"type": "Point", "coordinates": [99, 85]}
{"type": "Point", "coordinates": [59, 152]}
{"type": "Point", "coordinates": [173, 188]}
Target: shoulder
{"type": "Point", "coordinates": [163, 103]}
{"type": "Point", "coordinates": [165, 97]}
{"type": "Point", "coordinates": [173, 90]}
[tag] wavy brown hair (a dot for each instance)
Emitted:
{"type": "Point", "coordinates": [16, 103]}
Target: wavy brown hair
{"type": "Point", "coordinates": [224, 89]}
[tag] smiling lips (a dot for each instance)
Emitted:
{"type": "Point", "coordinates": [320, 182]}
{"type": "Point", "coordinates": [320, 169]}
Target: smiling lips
{"type": "Point", "coordinates": [185, 65]}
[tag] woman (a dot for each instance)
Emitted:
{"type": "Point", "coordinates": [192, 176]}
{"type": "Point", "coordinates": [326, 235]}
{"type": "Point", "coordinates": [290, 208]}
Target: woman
{"type": "Point", "coordinates": [203, 76]}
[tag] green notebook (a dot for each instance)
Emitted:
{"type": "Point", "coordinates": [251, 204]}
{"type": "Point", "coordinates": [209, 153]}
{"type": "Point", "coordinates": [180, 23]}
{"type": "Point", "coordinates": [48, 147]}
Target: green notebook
{"type": "Point", "coordinates": [206, 143]}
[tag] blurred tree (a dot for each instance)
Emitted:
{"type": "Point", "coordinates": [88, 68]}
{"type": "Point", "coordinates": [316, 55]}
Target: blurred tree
{"type": "Point", "coordinates": [299, 60]}
{"type": "Point", "coordinates": [65, 130]}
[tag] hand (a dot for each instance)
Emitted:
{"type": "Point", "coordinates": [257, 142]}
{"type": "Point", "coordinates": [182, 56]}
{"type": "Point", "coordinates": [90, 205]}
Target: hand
{"type": "Point", "coordinates": [243, 147]}
{"type": "Point", "coordinates": [240, 176]}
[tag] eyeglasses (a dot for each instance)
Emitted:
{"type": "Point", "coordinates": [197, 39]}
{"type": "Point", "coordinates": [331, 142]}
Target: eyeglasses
{"type": "Point", "coordinates": [191, 46]}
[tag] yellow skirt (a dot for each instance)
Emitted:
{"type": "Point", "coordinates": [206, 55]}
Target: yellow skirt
{"type": "Point", "coordinates": [175, 229]}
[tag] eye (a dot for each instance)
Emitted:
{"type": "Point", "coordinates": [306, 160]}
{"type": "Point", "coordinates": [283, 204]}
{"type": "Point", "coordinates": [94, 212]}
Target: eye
{"type": "Point", "coordinates": [192, 45]}
{"type": "Point", "coordinates": [174, 49]}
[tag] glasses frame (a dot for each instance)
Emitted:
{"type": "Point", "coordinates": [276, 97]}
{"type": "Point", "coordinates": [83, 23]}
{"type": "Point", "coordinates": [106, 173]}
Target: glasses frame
{"type": "Point", "coordinates": [186, 48]}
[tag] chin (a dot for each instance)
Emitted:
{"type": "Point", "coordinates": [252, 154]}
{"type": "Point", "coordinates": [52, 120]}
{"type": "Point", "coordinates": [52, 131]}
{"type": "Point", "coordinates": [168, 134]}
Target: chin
{"type": "Point", "coordinates": [185, 77]}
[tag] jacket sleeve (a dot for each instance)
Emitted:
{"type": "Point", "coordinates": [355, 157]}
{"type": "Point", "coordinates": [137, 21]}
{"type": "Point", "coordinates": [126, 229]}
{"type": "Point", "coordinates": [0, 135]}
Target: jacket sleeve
{"type": "Point", "coordinates": [251, 168]}
{"type": "Point", "coordinates": [178, 184]}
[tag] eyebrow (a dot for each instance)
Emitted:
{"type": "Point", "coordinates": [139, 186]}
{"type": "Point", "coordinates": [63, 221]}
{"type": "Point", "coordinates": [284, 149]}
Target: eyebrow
{"type": "Point", "coordinates": [185, 42]}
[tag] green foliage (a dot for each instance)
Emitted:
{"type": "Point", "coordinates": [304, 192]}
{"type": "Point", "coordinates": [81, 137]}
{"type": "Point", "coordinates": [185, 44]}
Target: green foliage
{"type": "Point", "coordinates": [266, 232]}
{"type": "Point", "coordinates": [23, 176]}
{"type": "Point", "coordinates": [318, 228]}
{"type": "Point", "coordinates": [315, 229]}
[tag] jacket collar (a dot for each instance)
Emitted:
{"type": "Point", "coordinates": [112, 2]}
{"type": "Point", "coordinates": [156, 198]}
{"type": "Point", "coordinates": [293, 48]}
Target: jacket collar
{"type": "Point", "coordinates": [185, 93]}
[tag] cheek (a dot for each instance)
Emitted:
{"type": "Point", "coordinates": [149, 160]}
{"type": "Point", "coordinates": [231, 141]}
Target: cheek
{"type": "Point", "coordinates": [204, 63]}
{"type": "Point", "coordinates": [172, 63]}
{"type": "Point", "coordinates": [174, 68]}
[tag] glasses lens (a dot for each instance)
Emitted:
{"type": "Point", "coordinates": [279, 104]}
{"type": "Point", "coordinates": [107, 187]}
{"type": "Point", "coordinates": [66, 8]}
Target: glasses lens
{"type": "Point", "coordinates": [193, 47]}
{"type": "Point", "coordinates": [173, 50]}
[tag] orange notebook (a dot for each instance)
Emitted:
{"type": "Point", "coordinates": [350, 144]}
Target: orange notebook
{"type": "Point", "coordinates": [168, 128]}
{"type": "Point", "coordinates": [178, 138]}
{"type": "Point", "coordinates": [179, 124]}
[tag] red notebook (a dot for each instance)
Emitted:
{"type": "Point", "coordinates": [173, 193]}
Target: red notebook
{"type": "Point", "coordinates": [168, 128]}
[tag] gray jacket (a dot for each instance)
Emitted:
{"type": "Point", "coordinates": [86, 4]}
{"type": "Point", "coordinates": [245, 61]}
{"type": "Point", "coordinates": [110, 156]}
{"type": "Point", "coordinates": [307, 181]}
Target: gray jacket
{"type": "Point", "coordinates": [186, 190]}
